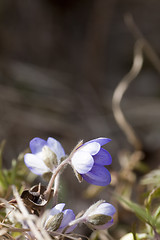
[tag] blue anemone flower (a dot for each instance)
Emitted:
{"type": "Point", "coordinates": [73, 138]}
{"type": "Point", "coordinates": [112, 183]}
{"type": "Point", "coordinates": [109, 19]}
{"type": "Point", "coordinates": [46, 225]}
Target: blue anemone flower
{"type": "Point", "coordinates": [45, 156]}
{"type": "Point", "coordinates": [90, 160]}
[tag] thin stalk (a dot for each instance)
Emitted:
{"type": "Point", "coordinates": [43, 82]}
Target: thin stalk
{"type": "Point", "coordinates": [56, 189]}
{"type": "Point", "coordinates": [156, 235]}
{"type": "Point", "coordinates": [57, 170]}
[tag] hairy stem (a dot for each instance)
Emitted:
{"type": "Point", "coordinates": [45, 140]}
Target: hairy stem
{"type": "Point", "coordinates": [57, 170]}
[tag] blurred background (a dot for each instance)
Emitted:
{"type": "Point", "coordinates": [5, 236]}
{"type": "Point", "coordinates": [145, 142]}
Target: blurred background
{"type": "Point", "coordinates": [60, 62]}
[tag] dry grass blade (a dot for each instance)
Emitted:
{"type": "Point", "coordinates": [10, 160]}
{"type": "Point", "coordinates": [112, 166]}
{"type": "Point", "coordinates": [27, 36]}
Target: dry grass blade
{"type": "Point", "coordinates": [14, 229]}
{"type": "Point", "coordinates": [119, 92]}
{"type": "Point", "coordinates": [3, 231]}
{"type": "Point", "coordinates": [38, 234]}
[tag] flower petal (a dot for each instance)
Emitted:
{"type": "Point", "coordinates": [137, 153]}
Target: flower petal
{"type": "Point", "coordinates": [57, 209]}
{"type": "Point", "coordinates": [100, 140]}
{"type": "Point", "coordinates": [98, 175]}
{"type": "Point", "coordinates": [92, 148]}
{"type": "Point", "coordinates": [82, 161]}
{"type": "Point", "coordinates": [36, 144]}
{"type": "Point", "coordinates": [105, 209]}
{"type": "Point", "coordinates": [54, 211]}
{"type": "Point", "coordinates": [67, 218]}
{"type": "Point", "coordinates": [36, 165]}
{"type": "Point", "coordinates": [56, 147]}
{"type": "Point", "coordinates": [103, 157]}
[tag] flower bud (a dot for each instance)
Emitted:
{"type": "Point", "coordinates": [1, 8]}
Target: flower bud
{"type": "Point", "coordinates": [58, 219]}
{"type": "Point", "coordinates": [99, 215]}
{"type": "Point", "coordinates": [54, 222]}
{"type": "Point", "coordinates": [99, 219]}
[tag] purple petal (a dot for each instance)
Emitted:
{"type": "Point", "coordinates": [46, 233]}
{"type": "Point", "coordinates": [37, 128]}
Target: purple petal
{"type": "Point", "coordinates": [36, 165]}
{"type": "Point", "coordinates": [57, 209]}
{"type": "Point", "coordinates": [100, 140]}
{"type": "Point", "coordinates": [67, 218]}
{"type": "Point", "coordinates": [105, 209]}
{"type": "Point", "coordinates": [36, 145]}
{"type": "Point", "coordinates": [56, 147]}
{"type": "Point", "coordinates": [82, 161]}
{"type": "Point", "coordinates": [98, 175]}
{"type": "Point", "coordinates": [103, 157]}
{"type": "Point", "coordinates": [92, 148]}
